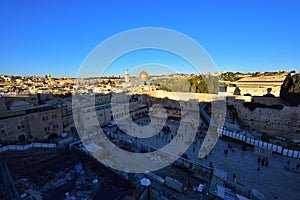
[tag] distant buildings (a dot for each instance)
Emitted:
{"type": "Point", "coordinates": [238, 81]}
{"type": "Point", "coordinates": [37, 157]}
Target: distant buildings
{"type": "Point", "coordinates": [40, 108]}
{"type": "Point", "coordinates": [257, 85]}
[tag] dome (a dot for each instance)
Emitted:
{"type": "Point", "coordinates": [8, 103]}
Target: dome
{"type": "Point", "coordinates": [143, 74]}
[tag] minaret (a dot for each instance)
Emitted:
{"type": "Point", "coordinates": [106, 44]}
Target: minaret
{"type": "Point", "coordinates": [126, 76]}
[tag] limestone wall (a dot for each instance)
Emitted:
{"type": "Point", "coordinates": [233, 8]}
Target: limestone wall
{"type": "Point", "coordinates": [185, 96]}
{"type": "Point", "coordinates": [285, 122]}
{"type": "Point", "coordinates": [12, 128]}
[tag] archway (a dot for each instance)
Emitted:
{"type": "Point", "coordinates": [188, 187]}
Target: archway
{"type": "Point", "coordinates": [21, 138]}
{"type": "Point", "coordinates": [53, 137]}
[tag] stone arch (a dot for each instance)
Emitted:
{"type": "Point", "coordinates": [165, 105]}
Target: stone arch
{"type": "Point", "coordinates": [21, 138]}
{"type": "Point", "coordinates": [53, 137]}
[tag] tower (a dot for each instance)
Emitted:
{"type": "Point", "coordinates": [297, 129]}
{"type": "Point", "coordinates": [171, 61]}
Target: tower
{"type": "Point", "coordinates": [126, 76]}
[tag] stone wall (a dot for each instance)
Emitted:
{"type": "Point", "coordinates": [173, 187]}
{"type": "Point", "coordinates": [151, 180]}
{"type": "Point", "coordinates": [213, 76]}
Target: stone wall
{"type": "Point", "coordinates": [12, 129]}
{"type": "Point", "coordinates": [285, 122]}
{"type": "Point", "coordinates": [185, 96]}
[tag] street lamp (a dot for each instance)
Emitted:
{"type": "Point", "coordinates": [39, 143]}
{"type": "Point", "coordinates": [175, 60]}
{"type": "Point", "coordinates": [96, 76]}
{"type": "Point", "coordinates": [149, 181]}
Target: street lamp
{"type": "Point", "coordinates": [146, 182]}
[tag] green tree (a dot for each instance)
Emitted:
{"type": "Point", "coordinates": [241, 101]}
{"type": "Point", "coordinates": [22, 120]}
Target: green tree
{"type": "Point", "coordinates": [290, 90]}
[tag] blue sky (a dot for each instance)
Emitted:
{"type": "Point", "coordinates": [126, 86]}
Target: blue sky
{"type": "Point", "coordinates": [40, 37]}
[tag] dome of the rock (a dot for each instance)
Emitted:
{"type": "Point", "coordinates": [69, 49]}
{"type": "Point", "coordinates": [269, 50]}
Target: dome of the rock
{"type": "Point", "coordinates": [143, 74]}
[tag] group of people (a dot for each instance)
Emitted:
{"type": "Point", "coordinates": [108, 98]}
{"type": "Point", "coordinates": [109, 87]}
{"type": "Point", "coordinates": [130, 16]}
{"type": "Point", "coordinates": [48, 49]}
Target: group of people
{"type": "Point", "coordinates": [227, 150]}
{"type": "Point", "coordinates": [288, 165]}
{"type": "Point", "coordinates": [263, 162]}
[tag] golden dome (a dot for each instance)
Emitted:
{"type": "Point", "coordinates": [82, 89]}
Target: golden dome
{"type": "Point", "coordinates": [143, 74]}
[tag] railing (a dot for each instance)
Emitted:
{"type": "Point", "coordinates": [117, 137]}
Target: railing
{"type": "Point", "coordinates": [26, 147]}
{"type": "Point", "coordinates": [205, 115]}
{"type": "Point", "coordinates": [251, 141]}
{"type": "Point", "coordinates": [258, 143]}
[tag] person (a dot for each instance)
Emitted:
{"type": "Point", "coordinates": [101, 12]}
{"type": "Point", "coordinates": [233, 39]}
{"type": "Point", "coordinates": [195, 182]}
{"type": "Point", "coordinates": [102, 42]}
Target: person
{"type": "Point", "coordinates": [263, 162]}
{"type": "Point", "coordinates": [234, 178]}
{"type": "Point", "coordinates": [297, 166]}
{"type": "Point", "coordinates": [226, 152]}
{"type": "Point", "coordinates": [258, 160]}
{"type": "Point", "coordinates": [258, 168]}
{"type": "Point", "coordinates": [267, 163]}
{"type": "Point", "coordinates": [174, 196]}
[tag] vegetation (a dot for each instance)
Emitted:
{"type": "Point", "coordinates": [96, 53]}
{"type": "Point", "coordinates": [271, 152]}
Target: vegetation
{"type": "Point", "coordinates": [204, 84]}
{"type": "Point", "coordinates": [108, 82]}
{"type": "Point", "coordinates": [265, 137]}
{"type": "Point", "coordinates": [197, 84]}
{"type": "Point", "coordinates": [233, 111]}
{"type": "Point", "coordinates": [290, 90]}
{"type": "Point", "coordinates": [230, 76]}
{"type": "Point", "coordinates": [252, 106]}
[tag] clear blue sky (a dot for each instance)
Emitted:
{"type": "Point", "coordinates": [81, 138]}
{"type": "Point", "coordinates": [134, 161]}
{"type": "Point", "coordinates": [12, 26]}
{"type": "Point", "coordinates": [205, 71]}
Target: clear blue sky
{"type": "Point", "coordinates": [40, 37]}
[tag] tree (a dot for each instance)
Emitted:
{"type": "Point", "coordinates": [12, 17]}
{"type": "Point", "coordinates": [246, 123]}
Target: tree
{"type": "Point", "coordinates": [290, 90]}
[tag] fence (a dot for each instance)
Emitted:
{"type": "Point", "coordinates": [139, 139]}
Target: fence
{"type": "Point", "coordinates": [26, 147]}
{"type": "Point", "coordinates": [258, 143]}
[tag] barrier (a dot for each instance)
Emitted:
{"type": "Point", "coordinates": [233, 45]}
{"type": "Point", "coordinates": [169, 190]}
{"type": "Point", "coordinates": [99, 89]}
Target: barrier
{"type": "Point", "coordinates": [26, 147]}
{"type": "Point", "coordinates": [258, 143]}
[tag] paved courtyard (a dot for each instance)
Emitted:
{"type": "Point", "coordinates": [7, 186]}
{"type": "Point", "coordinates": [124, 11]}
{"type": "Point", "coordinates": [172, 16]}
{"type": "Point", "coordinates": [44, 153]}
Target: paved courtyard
{"type": "Point", "coordinates": [274, 181]}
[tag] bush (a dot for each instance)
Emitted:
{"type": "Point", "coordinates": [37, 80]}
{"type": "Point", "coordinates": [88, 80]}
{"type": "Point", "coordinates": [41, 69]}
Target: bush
{"type": "Point", "coordinates": [265, 137]}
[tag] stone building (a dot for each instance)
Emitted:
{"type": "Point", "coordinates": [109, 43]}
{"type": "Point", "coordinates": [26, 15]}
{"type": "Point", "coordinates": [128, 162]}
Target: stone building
{"type": "Point", "coordinates": [23, 121]}
{"type": "Point", "coordinates": [257, 86]}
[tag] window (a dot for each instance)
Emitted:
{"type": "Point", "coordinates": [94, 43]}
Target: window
{"type": "Point", "coordinates": [54, 116]}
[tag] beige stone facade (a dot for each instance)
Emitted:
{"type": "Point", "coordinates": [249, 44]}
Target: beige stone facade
{"type": "Point", "coordinates": [276, 122]}
{"type": "Point", "coordinates": [45, 123]}
{"type": "Point", "coordinates": [37, 123]}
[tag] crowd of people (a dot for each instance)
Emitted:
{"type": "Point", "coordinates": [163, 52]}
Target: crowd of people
{"type": "Point", "coordinates": [262, 162]}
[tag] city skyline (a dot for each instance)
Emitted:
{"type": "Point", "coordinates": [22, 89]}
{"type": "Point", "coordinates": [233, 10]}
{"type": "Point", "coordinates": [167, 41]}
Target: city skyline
{"type": "Point", "coordinates": [55, 37]}
{"type": "Point", "coordinates": [149, 99]}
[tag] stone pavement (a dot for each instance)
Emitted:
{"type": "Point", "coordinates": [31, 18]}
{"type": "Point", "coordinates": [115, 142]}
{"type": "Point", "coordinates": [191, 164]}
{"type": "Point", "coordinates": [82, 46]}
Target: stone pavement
{"type": "Point", "coordinates": [273, 181]}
